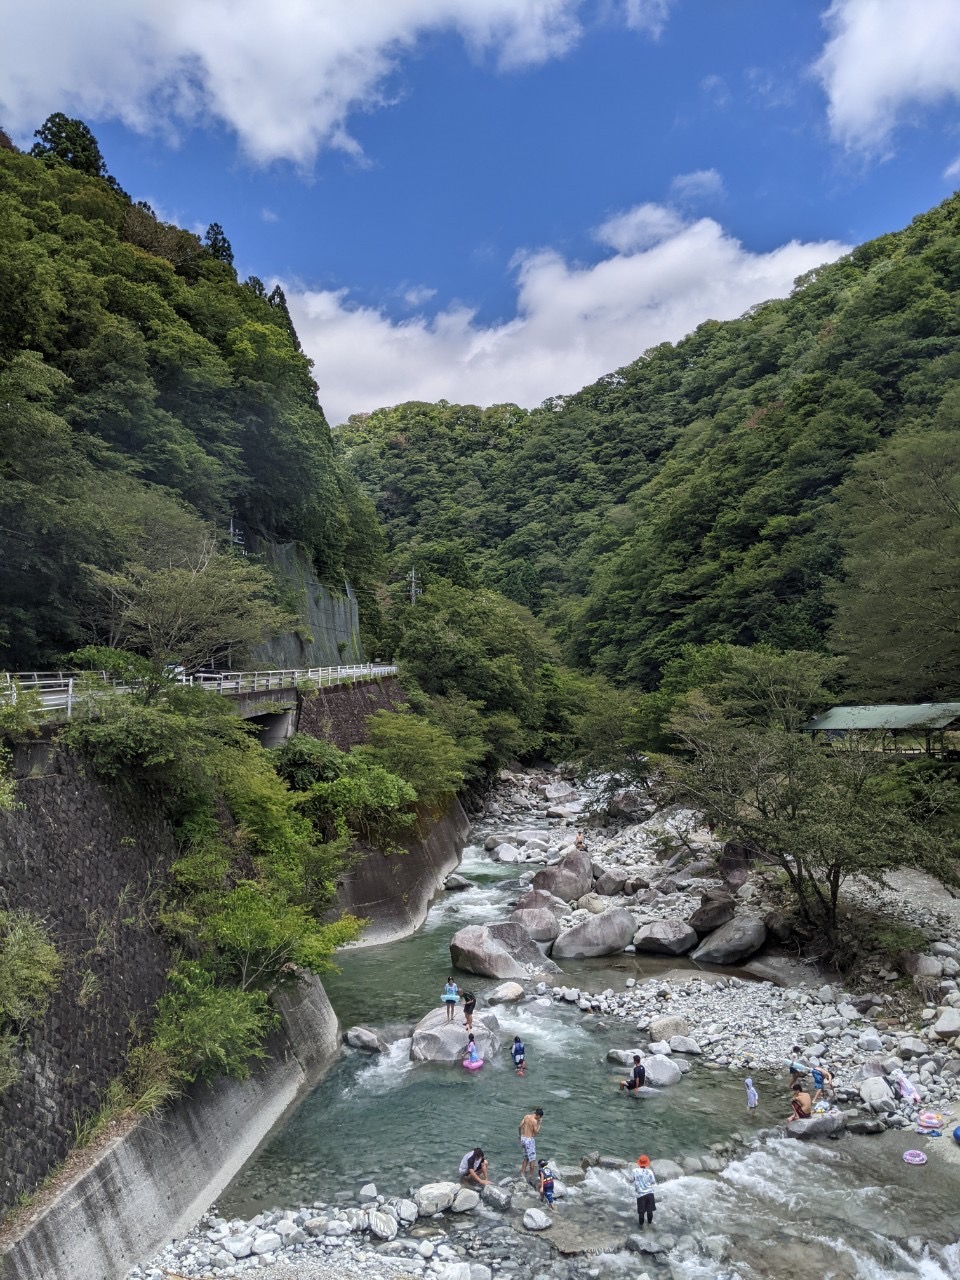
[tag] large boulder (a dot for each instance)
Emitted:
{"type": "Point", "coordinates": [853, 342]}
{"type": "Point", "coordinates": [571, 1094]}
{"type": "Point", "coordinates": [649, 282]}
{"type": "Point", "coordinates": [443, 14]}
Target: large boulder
{"type": "Point", "coordinates": [918, 966]}
{"type": "Point", "coordinates": [665, 938]}
{"type": "Point", "coordinates": [364, 1038]}
{"type": "Point", "coordinates": [817, 1126]}
{"type": "Point", "coordinates": [556, 791]}
{"type": "Point", "coordinates": [503, 950]}
{"type": "Point", "coordinates": [434, 1197]}
{"type": "Point", "coordinates": [540, 922]}
{"type": "Point", "coordinates": [570, 879]}
{"type": "Point", "coordinates": [627, 803]}
{"type": "Point", "coordinates": [876, 1093]}
{"type": "Point", "coordinates": [437, 1040]}
{"type": "Point", "coordinates": [466, 1200]}
{"type": "Point", "coordinates": [662, 1071]}
{"type": "Point", "coordinates": [732, 942]}
{"type": "Point", "coordinates": [506, 993]}
{"type": "Point", "coordinates": [670, 1025]}
{"type": "Point", "coordinates": [507, 853]}
{"type": "Point", "coordinates": [534, 898]}
{"type": "Point", "coordinates": [716, 908]}
{"type": "Point", "coordinates": [383, 1225]}
{"type": "Point", "coordinates": [948, 1024]}
{"type": "Point", "coordinates": [599, 936]}
{"type": "Point", "coordinates": [610, 883]}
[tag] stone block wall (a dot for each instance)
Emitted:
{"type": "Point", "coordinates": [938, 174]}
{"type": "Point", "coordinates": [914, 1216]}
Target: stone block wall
{"type": "Point", "coordinates": [87, 858]}
{"type": "Point", "coordinates": [338, 714]}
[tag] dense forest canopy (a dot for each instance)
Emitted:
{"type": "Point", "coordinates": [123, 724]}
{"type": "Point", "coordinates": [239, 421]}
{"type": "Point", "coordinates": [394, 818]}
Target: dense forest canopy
{"type": "Point", "coordinates": [142, 389]}
{"type": "Point", "coordinates": [716, 489]}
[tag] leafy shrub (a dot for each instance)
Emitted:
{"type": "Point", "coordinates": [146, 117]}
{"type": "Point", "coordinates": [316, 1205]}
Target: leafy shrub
{"type": "Point", "coordinates": [422, 754]}
{"type": "Point", "coordinates": [30, 968]}
{"type": "Point", "coordinates": [205, 1029]}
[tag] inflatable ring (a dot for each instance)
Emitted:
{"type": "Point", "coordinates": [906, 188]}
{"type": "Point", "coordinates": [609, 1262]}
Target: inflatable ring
{"type": "Point", "coordinates": [914, 1157]}
{"type": "Point", "coordinates": [473, 1064]}
{"type": "Point", "coordinates": [956, 1133]}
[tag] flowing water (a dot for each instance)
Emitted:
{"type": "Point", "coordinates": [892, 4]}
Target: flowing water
{"type": "Point", "coordinates": [804, 1211]}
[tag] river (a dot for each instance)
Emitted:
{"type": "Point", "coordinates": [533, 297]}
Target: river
{"type": "Point", "coordinates": [837, 1210]}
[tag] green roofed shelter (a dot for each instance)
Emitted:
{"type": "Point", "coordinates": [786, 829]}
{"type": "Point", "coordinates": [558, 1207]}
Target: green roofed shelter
{"type": "Point", "coordinates": [918, 723]}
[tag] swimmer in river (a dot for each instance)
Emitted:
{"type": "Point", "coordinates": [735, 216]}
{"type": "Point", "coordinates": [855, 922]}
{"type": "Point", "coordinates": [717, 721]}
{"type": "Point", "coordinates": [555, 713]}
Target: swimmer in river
{"type": "Point", "coordinates": [529, 1128]}
{"type": "Point", "coordinates": [519, 1055]}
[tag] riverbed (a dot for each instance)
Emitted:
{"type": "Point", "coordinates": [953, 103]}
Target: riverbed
{"type": "Point", "coordinates": [847, 1209]}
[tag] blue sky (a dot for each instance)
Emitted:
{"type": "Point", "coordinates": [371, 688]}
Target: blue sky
{"type": "Point", "coordinates": [503, 199]}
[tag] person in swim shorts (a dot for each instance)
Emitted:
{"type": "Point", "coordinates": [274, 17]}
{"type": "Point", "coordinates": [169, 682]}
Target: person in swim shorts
{"type": "Point", "coordinates": [529, 1128]}
{"type": "Point", "coordinates": [450, 997]}
{"type": "Point", "coordinates": [801, 1104]}
{"type": "Point", "coordinates": [822, 1083]}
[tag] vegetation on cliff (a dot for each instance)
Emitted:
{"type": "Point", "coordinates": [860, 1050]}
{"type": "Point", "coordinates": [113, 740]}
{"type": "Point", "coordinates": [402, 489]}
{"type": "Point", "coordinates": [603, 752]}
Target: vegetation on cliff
{"type": "Point", "coordinates": [146, 398]}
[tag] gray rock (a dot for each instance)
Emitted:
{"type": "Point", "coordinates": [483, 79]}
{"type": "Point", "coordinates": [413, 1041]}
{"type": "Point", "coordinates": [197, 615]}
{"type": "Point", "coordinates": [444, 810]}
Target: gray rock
{"type": "Point", "coordinates": [503, 950]}
{"type": "Point", "coordinates": [382, 1225]}
{"type": "Point", "coordinates": [870, 1042]}
{"type": "Point", "coordinates": [716, 908]}
{"type": "Point", "coordinates": [364, 1038]}
{"type": "Point", "coordinates": [918, 966]}
{"type": "Point", "coordinates": [622, 1057]}
{"type": "Point", "coordinates": [660, 1046]}
{"type": "Point", "coordinates": [267, 1242]}
{"type": "Point", "coordinates": [876, 1093]}
{"type": "Point", "coordinates": [627, 803]}
{"type": "Point", "coordinates": [601, 935]}
{"type": "Point", "coordinates": [668, 1026]}
{"type": "Point", "coordinates": [534, 898]}
{"type": "Point", "coordinates": [506, 993]}
{"type": "Point", "coordinates": [662, 1071]}
{"type": "Point", "coordinates": [666, 1169]}
{"type": "Point", "coordinates": [684, 1044]}
{"type": "Point", "coordinates": [437, 1040]}
{"type": "Point", "coordinates": [610, 883]}
{"type": "Point", "coordinates": [465, 1200]}
{"type": "Point", "coordinates": [541, 923]}
{"type": "Point", "coordinates": [912, 1047]}
{"type": "Point", "coordinates": [817, 1126]}
{"type": "Point", "coordinates": [368, 1193]}
{"type": "Point", "coordinates": [556, 791]}
{"type": "Point", "coordinates": [240, 1246]}
{"type": "Point", "coordinates": [570, 879]}
{"type": "Point", "coordinates": [507, 853]}
{"type": "Point", "coordinates": [947, 1026]}
{"type": "Point", "coordinates": [434, 1197]}
{"type": "Point", "coordinates": [406, 1211]}
{"type": "Point", "coordinates": [455, 882]}
{"type": "Point", "coordinates": [315, 1226]}
{"type": "Point", "coordinates": [535, 1220]}
{"type": "Point", "coordinates": [665, 938]}
{"type": "Point", "coordinates": [732, 942]}
{"type": "Point", "coordinates": [337, 1228]}
{"type": "Point", "coordinates": [497, 1197]}
{"type": "Point", "coordinates": [595, 903]}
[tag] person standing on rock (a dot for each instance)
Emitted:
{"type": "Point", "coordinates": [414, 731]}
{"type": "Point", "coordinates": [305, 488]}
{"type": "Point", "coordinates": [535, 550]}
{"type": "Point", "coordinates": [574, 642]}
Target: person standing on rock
{"type": "Point", "coordinates": [529, 1128]}
{"type": "Point", "coordinates": [473, 1168]}
{"type": "Point", "coordinates": [822, 1082]}
{"type": "Point", "coordinates": [450, 997]}
{"type": "Point", "coordinates": [469, 1004]}
{"type": "Point", "coordinates": [644, 1181]}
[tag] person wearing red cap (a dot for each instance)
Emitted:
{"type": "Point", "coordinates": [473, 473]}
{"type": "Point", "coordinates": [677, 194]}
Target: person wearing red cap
{"type": "Point", "coordinates": [644, 1180]}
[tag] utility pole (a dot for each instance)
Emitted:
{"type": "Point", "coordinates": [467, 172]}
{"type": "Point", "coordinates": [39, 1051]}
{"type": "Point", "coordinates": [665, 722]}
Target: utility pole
{"type": "Point", "coordinates": [415, 588]}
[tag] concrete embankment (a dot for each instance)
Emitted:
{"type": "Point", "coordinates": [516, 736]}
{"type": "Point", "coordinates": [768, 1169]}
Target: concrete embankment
{"type": "Point", "coordinates": [154, 1182]}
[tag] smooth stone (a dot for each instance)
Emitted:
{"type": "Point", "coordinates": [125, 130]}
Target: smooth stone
{"type": "Point", "coordinates": [732, 942]}
{"type": "Point", "coordinates": [434, 1197]}
{"type": "Point", "coordinates": [383, 1225]}
{"type": "Point", "coordinates": [498, 950]}
{"type": "Point", "coordinates": [535, 1220]}
{"type": "Point", "coordinates": [268, 1242]}
{"type": "Point", "coordinates": [506, 993]}
{"type": "Point", "coordinates": [465, 1200]}
{"type": "Point", "coordinates": [817, 1126]}
{"type": "Point", "coordinates": [437, 1040]}
{"type": "Point", "coordinates": [662, 1071]}
{"type": "Point", "coordinates": [666, 1027]}
{"type": "Point", "coordinates": [600, 935]}
{"type": "Point", "coordinates": [665, 937]}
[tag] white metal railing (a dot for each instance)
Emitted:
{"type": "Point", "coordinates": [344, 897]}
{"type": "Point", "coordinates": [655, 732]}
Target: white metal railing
{"type": "Point", "coordinates": [59, 690]}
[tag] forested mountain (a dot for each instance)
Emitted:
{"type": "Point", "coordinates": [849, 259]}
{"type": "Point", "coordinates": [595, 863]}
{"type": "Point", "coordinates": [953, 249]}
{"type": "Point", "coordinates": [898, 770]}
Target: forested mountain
{"type": "Point", "coordinates": [146, 398]}
{"type": "Point", "coordinates": [712, 489]}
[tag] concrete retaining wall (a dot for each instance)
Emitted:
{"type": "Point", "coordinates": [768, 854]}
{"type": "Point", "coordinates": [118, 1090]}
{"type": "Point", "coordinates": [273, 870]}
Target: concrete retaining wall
{"type": "Point", "coordinates": [154, 1183]}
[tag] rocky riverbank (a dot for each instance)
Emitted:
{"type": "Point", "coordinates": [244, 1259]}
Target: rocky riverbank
{"type": "Point", "coordinates": [645, 884]}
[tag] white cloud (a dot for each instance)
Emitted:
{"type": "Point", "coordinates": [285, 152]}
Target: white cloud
{"type": "Point", "coordinates": [693, 186]}
{"type": "Point", "coordinates": [417, 295]}
{"type": "Point", "coordinates": [268, 215]}
{"type": "Point", "coordinates": [572, 322]}
{"type": "Point", "coordinates": [884, 57]}
{"type": "Point", "coordinates": [953, 169]}
{"type": "Point", "coordinates": [647, 15]}
{"type": "Point", "coordinates": [286, 76]}
{"type": "Point", "coordinates": [716, 89]}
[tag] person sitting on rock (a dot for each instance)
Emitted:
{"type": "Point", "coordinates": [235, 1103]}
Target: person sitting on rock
{"type": "Point", "coordinates": [801, 1105]}
{"type": "Point", "coordinates": [580, 843]}
{"type": "Point", "coordinates": [473, 1168]}
{"type": "Point", "coordinates": [638, 1076]}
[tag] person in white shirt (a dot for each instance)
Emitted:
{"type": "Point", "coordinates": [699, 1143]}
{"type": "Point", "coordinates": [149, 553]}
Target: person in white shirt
{"type": "Point", "coordinates": [644, 1180]}
{"type": "Point", "coordinates": [473, 1167]}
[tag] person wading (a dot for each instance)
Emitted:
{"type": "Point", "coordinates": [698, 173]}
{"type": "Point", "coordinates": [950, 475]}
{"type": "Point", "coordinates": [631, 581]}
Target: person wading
{"type": "Point", "coordinates": [529, 1128]}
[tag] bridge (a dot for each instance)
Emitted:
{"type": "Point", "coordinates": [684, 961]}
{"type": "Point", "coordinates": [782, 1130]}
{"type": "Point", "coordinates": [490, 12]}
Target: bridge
{"type": "Point", "coordinates": [61, 692]}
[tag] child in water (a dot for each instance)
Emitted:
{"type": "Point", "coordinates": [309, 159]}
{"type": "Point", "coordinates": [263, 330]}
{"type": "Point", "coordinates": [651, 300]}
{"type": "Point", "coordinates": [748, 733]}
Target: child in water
{"type": "Point", "coordinates": [518, 1054]}
{"type": "Point", "coordinates": [473, 1053]}
{"type": "Point", "coordinates": [753, 1098]}
{"type": "Point", "coordinates": [546, 1181]}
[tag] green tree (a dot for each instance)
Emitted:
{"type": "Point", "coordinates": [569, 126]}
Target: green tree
{"type": "Point", "coordinates": [898, 603]}
{"type": "Point", "coordinates": [421, 753]}
{"type": "Point", "coordinates": [217, 245]}
{"type": "Point", "coordinates": [69, 142]}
